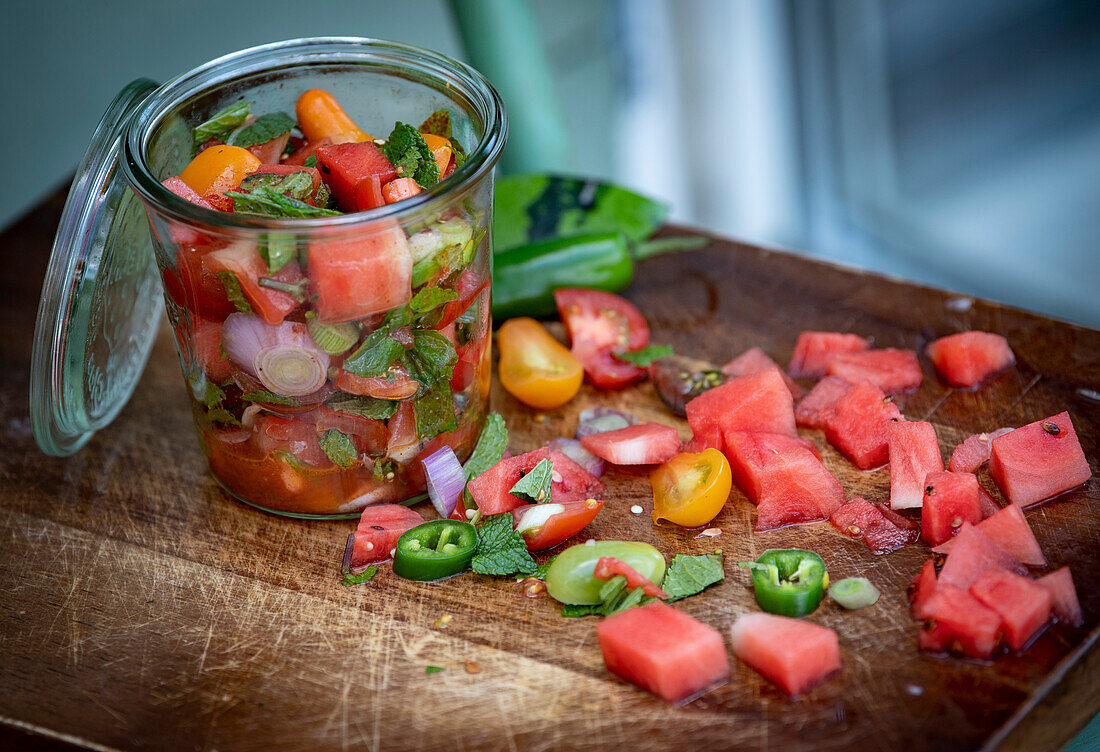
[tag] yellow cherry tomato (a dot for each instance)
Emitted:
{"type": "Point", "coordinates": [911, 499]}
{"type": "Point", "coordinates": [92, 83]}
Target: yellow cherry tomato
{"type": "Point", "coordinates": [321, 116]}
{"type": "Point", "coordinates": [218, 169]}
{"type": "Point", "coordinates": [535, 368]}
{"type": "Point", "coordinates": [441, 150]}
{"type": "Point", "coordinates": [690, 489]}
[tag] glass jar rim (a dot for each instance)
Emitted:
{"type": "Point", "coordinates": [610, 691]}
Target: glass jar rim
{"type": "Point", "coordinates": [452, 73]}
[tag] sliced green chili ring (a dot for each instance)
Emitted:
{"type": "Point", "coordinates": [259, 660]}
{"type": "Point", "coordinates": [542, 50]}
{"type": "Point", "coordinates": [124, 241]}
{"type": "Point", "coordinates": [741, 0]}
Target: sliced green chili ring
{"type": "Point", "coordinates": [434, 550]}
{"type": "Point", "coordinates": [788, 581]}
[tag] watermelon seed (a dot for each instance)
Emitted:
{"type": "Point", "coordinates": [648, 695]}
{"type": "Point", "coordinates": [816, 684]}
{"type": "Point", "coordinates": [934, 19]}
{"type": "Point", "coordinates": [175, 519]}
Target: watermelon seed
{"type": "Point", "coordinates": [957, 522]}
{"type": "Point", "coordinates": [854, 529]}
{"type": "Point", "coordinates": [1051, 428]}
{"type": "Point", "coordinates": [929, 490]}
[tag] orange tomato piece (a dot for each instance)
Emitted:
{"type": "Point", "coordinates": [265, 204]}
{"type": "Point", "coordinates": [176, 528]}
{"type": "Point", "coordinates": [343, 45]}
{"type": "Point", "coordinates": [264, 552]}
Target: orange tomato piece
{"type": "Point", "coordinates": [321, 116]}
{"type": "Point", "coordinates": [399, 190]}
{"type": "Point", "coordinates": [690, 489]}
{"type": "Point", "coordinates": [219, 169]}
{"type": "Point", "coordinates": [441, 151]}
{"type": "Point", "coordinates": [535, 368]}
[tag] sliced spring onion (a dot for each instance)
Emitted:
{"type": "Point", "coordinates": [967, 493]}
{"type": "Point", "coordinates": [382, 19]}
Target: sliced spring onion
{"type": "Point", "coordinates": [446, 480]}
{"type": "Point", "coordinates": [854, 593]}
{"type": "Point", "coordinates": [572, 449]}
{"type": "Point", "coordinates": [601, 419]}
{"type": "Point", "coordinates": [335, 339]}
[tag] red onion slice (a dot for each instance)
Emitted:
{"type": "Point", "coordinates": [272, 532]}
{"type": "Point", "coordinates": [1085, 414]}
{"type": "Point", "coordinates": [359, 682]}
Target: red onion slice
{"type": "Point", "coordinates": [284, 358]}
{"type": "Point", "coordinates": [446, 479]}
{"type": "Point", "coordinates": [572, 449]}
{"type": "Point", "coordinates": [600, 419]}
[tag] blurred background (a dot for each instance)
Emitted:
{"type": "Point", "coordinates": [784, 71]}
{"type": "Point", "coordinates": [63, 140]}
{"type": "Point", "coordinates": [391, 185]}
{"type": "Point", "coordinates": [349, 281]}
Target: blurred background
{"type": "Point", "coordinates": [955, 143]}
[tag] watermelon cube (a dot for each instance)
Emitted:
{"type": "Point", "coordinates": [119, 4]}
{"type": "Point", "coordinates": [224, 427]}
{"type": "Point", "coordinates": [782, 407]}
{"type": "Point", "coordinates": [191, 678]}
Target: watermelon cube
{"type": "Point", "coordinates": [950, 499]}
{"type": "Point", "coordinates": [755, 360]}
{"type": "Point", "coordinates": [490, 490]}
{"type": "Point", "coordinates": [757, 402]}
{"type": "Point", "coordinates": [1063, 597]}
{"type": "Point", "coordinates": [795, 489]}
{"type": "Point", "coordinates": [892, 371]}
{"type": "Point", "coordinates": [862, 520]}
{"type": "Point", "coordinates": [663, 651]}
{"type": "Point", "coordinates": [793, 654]}
{"type": "Point", "coordinates": [812, 348]}
{"type": "Point", "coordinates": [1024, 606]}
{"type": "Point", "coordinates": [973, 553]}
{"type": "Point", "coordinates": [914, 452]}
{"type": "Point", "coordinates": [710, 438]}
{"type": "Point", "coordinates": [957, 621]}
{"type": "Point", "coordinates": [974, 451]}
{"type": "Point", "coordinates": [856, 425]}
{"type": "Point", "coordinates": [988, 504]}
{"type": "Point", "coordinates": [355, 172]}
{"type": "Point", "coordinates": [1009, 529]}
{"type": "Point", "coordinates": [1038, 460]}
{"type": "Point", "coordinates": [359, 276]}
{"type": "Point", "coordinates": [752, 456]}
{"type": "Point", "coordinates": [921, 589]}
{"type": "Point", "coordinates": [810, 412]}
{"type": "Point", "coordinates": [970, 359]}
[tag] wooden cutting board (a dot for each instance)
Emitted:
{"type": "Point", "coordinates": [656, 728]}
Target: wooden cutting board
{"type": "Point", "coordinates": [142, 609]}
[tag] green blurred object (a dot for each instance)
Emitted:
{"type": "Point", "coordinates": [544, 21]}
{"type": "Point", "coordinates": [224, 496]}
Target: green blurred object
{"type": "Point", "coordinates": [502, 41]}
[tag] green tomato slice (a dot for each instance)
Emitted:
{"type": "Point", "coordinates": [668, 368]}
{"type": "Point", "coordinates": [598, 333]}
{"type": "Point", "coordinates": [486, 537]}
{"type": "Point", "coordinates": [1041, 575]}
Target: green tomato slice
{"type": "Point", "coordinates": [569, 579]}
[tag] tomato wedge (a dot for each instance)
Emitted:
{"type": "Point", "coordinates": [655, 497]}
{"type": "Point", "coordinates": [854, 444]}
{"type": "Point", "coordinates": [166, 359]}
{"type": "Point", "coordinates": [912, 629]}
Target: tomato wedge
{"type": "Point", "coordinates": [534, 367]}
{"type": "Point", "coordinates": [395, 385]}
{"type": "Point", "coordinates": [690, 489]}
{"type": "Point", "coordinates": [600, 324]}
{"type": "Point", "coordinates": [195, 287]}
{"type": "Point", "coordinates": [379, 528]}
{"type": "Point", "coordinates": [469, 286]}
{"type": "Point", "coordinates": [643, 444]}
{"type": "Point", "coordinates": [608, 567]}
{"type": "Point", "coordinates": [244, 261]}
{"type": "Point", "coordinates": [546, 525]}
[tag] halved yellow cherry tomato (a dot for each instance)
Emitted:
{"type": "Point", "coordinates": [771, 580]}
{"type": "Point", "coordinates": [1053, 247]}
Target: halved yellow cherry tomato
{"type": "Point", "coordinates": [321, 116]}
{"type": "Point", "coordinates": [690, 489]}
{"type": "Point", "coordinates": [218, 169]}
{"type": "Point", "coordinates": [441, 150]}
{"type": "Point", "coordinates": [534, 367]}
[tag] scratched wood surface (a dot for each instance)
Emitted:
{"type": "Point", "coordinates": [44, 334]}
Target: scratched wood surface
{"type": "Point", "coordinates": [142, 609]}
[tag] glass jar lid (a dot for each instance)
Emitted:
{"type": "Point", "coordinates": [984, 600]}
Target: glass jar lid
{"type": "Point", "coordinates": [100, 305]}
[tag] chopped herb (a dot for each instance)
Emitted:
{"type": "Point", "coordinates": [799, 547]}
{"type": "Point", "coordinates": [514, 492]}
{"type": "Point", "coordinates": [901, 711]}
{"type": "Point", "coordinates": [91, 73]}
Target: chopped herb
{"type": "Point", "coordinates": [379, 351]}
{"type": "Point", "coordinates": [339, 448]}
{"type": "Point", "coordinates": [688, 575]}
{"type": "Point", "coordinates": [297, 185]}
{"type": "Point", "coordinates": [311, 160]}
{"type": "Point", "coordinates": [435, 411]}
{"type": "Point", "coordinates": [430, 298]}
{"type": "Point", "coordinates": [500, 549]}
{"type": "Point", "coordinates": [643, 357]}
{"type": "Point", "coordinates": [263, 129]}
{"type": "Point", "coordinates": [360, 578]}
{"type": "Point", "coordinates": [384, 469]}
{"type": "Point", "coordinates": [234, 292]}
{"type": "Point", "coordinates": [262, 395]}
{"type": "Point", "coordinates": [297, 290]}
{"type": "Point", "coordinates": [220, 415]}
{"type": "Point", "coordinates": [535, 486]}
{"type": "Point", "coordinates": [277, 250]}
{"type": "Point", "coordinates": [264, 202]}
{"type": "Point", "coordinates": [544, 568]}
{"type": "Point", "coordinates": [212, 395]}
{"type": "Point", "coordinates": [433, 669]}
{"type": "Point", "coordinates": [410, 155]}
{"type": "Point", "coordinates": [614, 598]}
{"type": "Point", "coordinates": [431, 358]}
{"type": "Point", "coordinates": [364, 407]}
{"type": "Point", "coordinates": [439, 124]}
{"type": "Point", "coordinates": [221, 124]}
{"type": "Point", "coordinates": [491, 445]}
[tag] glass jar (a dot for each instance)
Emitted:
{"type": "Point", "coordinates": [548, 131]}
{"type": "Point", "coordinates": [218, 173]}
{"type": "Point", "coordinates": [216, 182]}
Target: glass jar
{"type": "Point", "coordinates": [320, 381]}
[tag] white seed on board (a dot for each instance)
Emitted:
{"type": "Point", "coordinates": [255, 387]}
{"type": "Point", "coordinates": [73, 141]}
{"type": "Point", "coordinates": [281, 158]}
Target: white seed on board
{"type": "Point", "coordinates": [636, 509]}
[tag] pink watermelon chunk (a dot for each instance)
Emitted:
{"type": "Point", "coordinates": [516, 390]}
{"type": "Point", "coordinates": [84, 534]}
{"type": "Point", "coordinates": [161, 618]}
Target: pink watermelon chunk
{"type": "Point", "coordinates": [974, 451]}
{"type": "Point", "coordinates": [710, 438]}
{"type": "Point", "coordinates": [973, 553]}
{"type": "Point", "coordinates": [914, 452]}
{"type": "Point", "coordinates": [1039, 460]}
{"type": "Point", "coordinates": [959, 622]}
{"type": "Point", "coordinates": [921, 589]}
{"type": "Point", "coordinates": [970, 359]}
{"type": "Point", "coordinates": [856, 425]}
{"type": "Point", "coordinates": [1009, 529]}
{"type": "Point", "coordinates": [950, 499]}
{"type": "Point", "coordinates": [862, 520]}
{"type": "Point", "coordinates": [752, 455]}
{"type": "Point", "coordinates": [663, 651]}
{"type": "Point", "coordinates": [1024, 606]}
{"type": "Point", "coordinates": [812, 348]}
{"type": "Point", "coordinates": [755, 360]}
{"type": "Point", "coordinates": [796, 489]}
{"type": "Point", "coordinates": [810, 412]}
{"type": "Point", "coordinates": [795, 655]}
{"type": "Point", "coordinates": [490, 490]}
{"type": "Point", "coordinates": [757, 402]}
{"type": "Point", "coordinates": [1063, 596]}
{"type": "Point", "coordinates": [988, 504]}
{"type": "Point", "coordinates": [892, 371]}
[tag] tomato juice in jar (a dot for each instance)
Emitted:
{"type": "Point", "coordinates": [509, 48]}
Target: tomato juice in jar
{"type": "Point", "coordinates": [325, 356]}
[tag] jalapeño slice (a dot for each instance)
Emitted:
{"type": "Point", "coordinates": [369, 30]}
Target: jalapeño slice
{"type": "Point", "coordinates": [788, 581]}
{"type": "Point", "coordinates": [435, 550]}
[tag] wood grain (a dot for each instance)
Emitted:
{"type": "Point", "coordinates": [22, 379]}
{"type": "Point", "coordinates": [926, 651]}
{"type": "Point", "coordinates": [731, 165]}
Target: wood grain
{"type": "Point", "coordinates": [142, 609]}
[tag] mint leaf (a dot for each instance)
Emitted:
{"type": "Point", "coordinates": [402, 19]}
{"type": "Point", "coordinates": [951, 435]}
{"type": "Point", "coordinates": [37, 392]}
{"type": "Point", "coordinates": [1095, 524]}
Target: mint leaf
{"type": "Point", "coordinates": [297, 185]}
{"type": "Point", "coordinates": [574, 611]}
{"type": "Point", "coordinates": [431, 358]}
{"type": "Point", "coordinates": [374, 357]}
{"type": "Point", "coordinates": [439, 124]}
{"type": "Point", "coordinates": [360, 578]}
{"type": "Point", "coordinates": [500, 549]}
{"type": "Point", "coordinates": [409, 154]}
{"type": "Point", "coordinates": [277, 250]}
{"type": "Point", "coordinates": [234, 292]}
{"type": "Point", "coordinates": [263, 129]}
{"type": "Point", "coordinates": [219, 414]}
{"type": "Point", "coordinates": [435, 411]}
{"type": "Point", "coordinates": [220, 124]}
{"type": "Point", "coordinates": [491, 445]}
{"type": "Point", "coordinates": [643, 357]}
{"type": "Point", "coordinates": [535, 486]}
{"type": "Point", "coordinates": [688, 575]}
{"type": "Point", "coordinates": [433, 669]}
{"type": "Point", "coordinates": [311, 160]}
{"type": "Point", "coordinates": [364, 407]}
{"type": "Point", "coordinates": [264, 202]}
{"type": "Point", "coordinates": [430, 298]}
{"type": "Point", "coordinates": [262, 395]}
{"type": "Point", "coordinates": [544, 568]}
{"type": "Point", "coordinates": [339, 448]}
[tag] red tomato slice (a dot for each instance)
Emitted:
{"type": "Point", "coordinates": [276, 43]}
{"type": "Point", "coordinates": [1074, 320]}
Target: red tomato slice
{"type": "Point", "coordinates": [468, 287]}
{"type": "Point", "coordinates": [608, 567]}
{"type": "Point", "coordinates": [206, 338]}
{"type": "Point", "coordinates": [269, 151]}
{"type": "Point", "coordinates": [306, 150]}
{"type": "Point", "coordinates": [244, 261]}
{"type": "Point", "coordinates": [296, 436]}
{"type": "Point", "coordinates": [404, 444]}
{"type": "Point", "coordinates": [396, 385]}
{"type": "Point", "coordinates": [558, 527]}
{"type": "Point", "coordinates": [643, 444]}
{"type": "Point", "coordinates": [601, 323]}
{"type": "Point", "coordinates": [379, 528]}
{"type": "Point", "coordinates": [370, 435]}
{"type": "Point", "coordinates": [194, 287]}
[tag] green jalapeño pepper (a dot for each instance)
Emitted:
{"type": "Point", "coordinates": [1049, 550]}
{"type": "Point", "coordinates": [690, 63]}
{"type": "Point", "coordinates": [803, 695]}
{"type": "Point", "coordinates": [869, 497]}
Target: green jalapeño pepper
{"type": "Point", "coordinates": [788, 581]}
{"type": "Point", "coordinates": [435, 550]}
